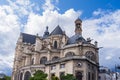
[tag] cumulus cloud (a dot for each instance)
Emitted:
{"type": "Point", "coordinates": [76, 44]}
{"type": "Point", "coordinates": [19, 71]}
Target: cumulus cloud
{"type": "Point", "coordinates": [37, 23]}
{"type": "Point", "coordinates": [104, 29]}
{"type": "Point", "coordinates": [9, 30]}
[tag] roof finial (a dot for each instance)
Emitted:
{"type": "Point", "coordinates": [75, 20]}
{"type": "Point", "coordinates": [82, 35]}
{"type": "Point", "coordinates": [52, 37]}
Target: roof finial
{"type": "Point", "coordinates": [46, 33]}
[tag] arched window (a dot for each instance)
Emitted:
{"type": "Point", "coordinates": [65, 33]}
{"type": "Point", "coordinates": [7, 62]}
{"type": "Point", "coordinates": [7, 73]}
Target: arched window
{"type": "Point", "coordinates": [21, 75]}
{"type": "Point", "coordinates": [55, 44]}
{"type": "Point", "coordinates": [43, 60]}
{"type": "Point", "coordinates": [27, 75]}
{"type": "Point", "coordinates": [55, 58]}
{"type": "Point", "coordinates": [70, 54]}
{"type": "Point", "coordinates": [90, 55]}
{"type": "Point", "coordinates": [78, 75]}
{"type": "Point", "coordinates": [32, 62]}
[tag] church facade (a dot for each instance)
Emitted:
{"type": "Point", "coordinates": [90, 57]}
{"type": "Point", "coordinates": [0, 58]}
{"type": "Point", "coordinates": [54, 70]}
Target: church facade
{"type": "Point", "coordinates": [56, 54]}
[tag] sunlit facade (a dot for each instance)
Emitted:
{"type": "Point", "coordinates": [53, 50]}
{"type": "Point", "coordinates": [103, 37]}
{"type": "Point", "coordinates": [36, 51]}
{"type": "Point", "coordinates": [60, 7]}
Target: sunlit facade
{"type": "Point", "coordinates": [56, 54]}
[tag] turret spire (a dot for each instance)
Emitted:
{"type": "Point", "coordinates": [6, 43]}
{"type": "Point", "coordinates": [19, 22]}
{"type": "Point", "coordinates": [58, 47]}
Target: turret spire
{"type": "Point", "coordinates": [46, 33]}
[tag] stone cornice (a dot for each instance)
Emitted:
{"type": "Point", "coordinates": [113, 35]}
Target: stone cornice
{"type": "Point", "coordinates": [83, 58]}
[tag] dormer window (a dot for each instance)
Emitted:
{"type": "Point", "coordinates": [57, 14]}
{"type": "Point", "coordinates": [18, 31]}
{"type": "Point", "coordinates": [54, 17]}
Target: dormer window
{"type": "Point", "coordinates": [55, 44]}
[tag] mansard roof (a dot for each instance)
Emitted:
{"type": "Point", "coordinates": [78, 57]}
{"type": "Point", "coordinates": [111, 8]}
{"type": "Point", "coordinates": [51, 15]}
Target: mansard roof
{"type": "Point", "coordinates": [57, 31]}
{"type": "Point", "coordinates": [29, 38]}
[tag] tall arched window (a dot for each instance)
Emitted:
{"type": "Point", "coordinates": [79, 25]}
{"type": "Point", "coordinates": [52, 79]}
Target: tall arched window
{"type": "Point", "coordinates": [27, 75]}
{"type": "Point", "coordinates": [43, 60]}
{"type": "Point", "coordinates": [21, 75]}
{"type": "Point", "coordinates": [32, 62]}
{"type": "Point", "coordinates": [55, 58]}
{"type": "Point", "coordinates": [69, 54]}
{"type": "Point", "coordinates": [78, 75]}
{"type": "Point", "coordinates": [55, 44]}
{"type": "Point", "coordinates": [90, 55]}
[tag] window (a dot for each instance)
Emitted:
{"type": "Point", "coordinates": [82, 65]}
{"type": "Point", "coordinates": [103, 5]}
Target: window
{"type": "Point", "coordinates": [93, 76]}
{"type": "Point", "coordinates": [55, 58]}
{"type": "Point", "coordinates": [21, 76]}
{"type": "Point", "coordinates": [79, 64]}
{"type": "Point", "coordinates": [55, 44]}
{"type": "Point", "coordinates": [90, 55]}
{"type": "Point", "coordinates": [79, 75]}
{"type": "Point", "coordinates": [53, 67]}
{"type": "Point", "coordinates": [43, 60]}
{"type": "Point", "coordinates": [99, 78]}
{"type": "Point", "coordinates": [69, 54]}
{"type": "Point", "coordinates": [53, 74]}
{"type": "Point", "coordinates": [27, 75]}
{"type": "Point", "coordinates": [32, 62]}
{"type": "Point", "coordinates": [89, 76]}
{"type": "Point", "coordinates": [61, 74]}
{"type": "Point", "coordinates": [62, 65]}
{"type": "Point", "coordinates": [89, 66]}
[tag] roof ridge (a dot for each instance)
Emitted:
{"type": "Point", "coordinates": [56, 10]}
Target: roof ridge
{"type": "Point", "coordinates": [28, 34]}
{"type": "Point", "coordinates": [57, 31]}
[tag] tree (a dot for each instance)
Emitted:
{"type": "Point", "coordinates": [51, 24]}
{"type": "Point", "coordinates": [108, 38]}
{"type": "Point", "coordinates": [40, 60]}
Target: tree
{"type": "Point", "coordinates": [54, 78]}
{"type": "Point", "coordinates": [7, 78]}
{"type": "Point", "coordinates": [39, 75]}
{"type": "Point", "coordinates": [68, 77]}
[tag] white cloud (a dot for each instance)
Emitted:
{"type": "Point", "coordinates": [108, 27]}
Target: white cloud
{"type": "Point", "coordinates": [108, 57]}
{"type": "Point", "coordinates": [9, 31]}
{"type": "Point", "coordinates": [104, 29]}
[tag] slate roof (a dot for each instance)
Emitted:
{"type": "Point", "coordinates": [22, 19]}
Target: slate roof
{"type": "Point", "coordinates": [78, 19]}
{"type": "Point", "coordinates": [29, 38]}
{"type": "Point", "coordinates": [76, 38]}
{"type": "Point", "coordinates": [57, 31]}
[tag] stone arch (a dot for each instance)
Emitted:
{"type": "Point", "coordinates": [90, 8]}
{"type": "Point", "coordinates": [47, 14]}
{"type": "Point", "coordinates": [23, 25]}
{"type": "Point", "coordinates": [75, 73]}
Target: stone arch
{"type": "Point", "coordinates": [43, 60]}
{"type": "Point", "coordinates": [70, 54]}
{"type": "Point", "coordinates": [90, 55]}
{"type": "Point", "coordinates": [55, 58]}
{"type": "Point", "coordinates": [27, 75]}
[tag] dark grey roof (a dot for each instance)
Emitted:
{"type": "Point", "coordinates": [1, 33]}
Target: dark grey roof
{"type": "Point", "coordinates": [29, 38]}
{"type": "Point", "coordinates": [78, 19]}
{"type": "Point", "coordinates": [57, 31]}
{"type": "Point", "coordinates": [76, 38]}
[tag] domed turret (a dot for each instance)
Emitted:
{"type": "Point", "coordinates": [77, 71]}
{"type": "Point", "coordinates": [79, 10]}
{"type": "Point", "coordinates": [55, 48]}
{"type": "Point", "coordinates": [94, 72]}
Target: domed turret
{"type": "Point", "coordinates": [78, 26]}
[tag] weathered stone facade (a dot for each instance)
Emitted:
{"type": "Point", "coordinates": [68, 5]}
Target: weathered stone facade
{"type": "Point", "coordinates": [56, 54]}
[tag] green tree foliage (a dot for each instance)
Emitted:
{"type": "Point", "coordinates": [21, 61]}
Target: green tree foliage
{"type": "Point", "coordinates": [54, 78]}
{"type": "Point", "coordinates": [39, 75]}
{"type": "Point", "coordinates": [68, 77]}
{"type": "Point", "coordinates": [6, 78]}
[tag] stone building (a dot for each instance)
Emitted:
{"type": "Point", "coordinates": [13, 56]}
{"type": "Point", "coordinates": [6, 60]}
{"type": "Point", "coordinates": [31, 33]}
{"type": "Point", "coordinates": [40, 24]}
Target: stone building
{"type": "Point", "coordinates": [56, 54]}
{"type": "Point", "coordinates": [105, 73]}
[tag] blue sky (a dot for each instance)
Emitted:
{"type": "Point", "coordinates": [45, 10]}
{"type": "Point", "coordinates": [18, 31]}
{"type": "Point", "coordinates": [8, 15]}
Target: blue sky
{"type": "Point", "coordinates": [101, 22]}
